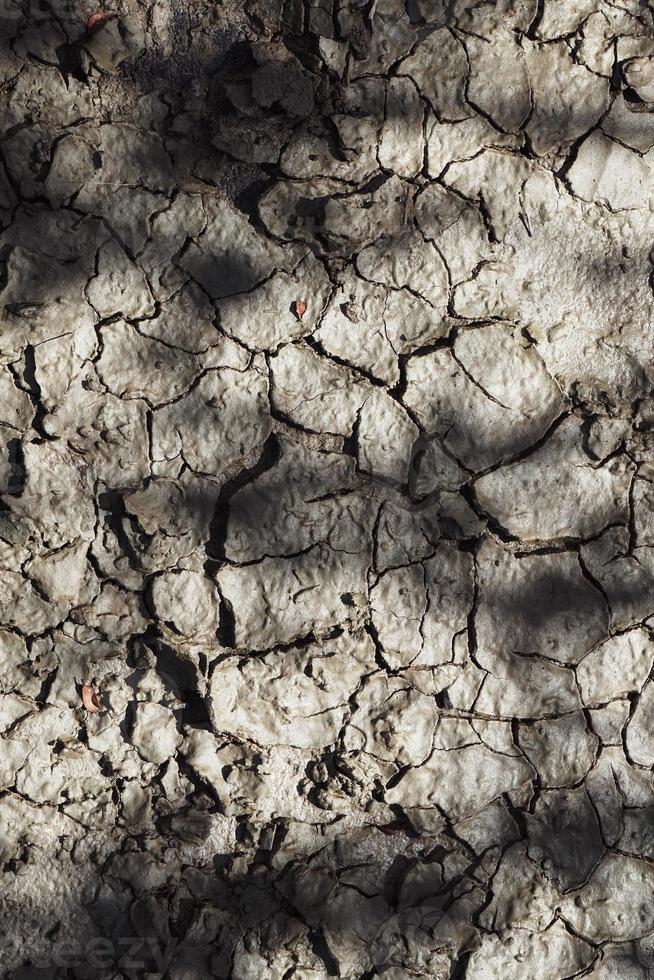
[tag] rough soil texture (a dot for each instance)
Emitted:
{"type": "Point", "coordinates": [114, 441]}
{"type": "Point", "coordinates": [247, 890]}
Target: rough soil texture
{"type": "Point", "coordinates": [327, 489]}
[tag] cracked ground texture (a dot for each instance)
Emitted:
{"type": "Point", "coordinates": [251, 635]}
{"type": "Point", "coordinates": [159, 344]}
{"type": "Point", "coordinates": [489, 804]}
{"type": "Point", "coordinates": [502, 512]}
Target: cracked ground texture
{"type": "Point", "coordinates": [326, 489]}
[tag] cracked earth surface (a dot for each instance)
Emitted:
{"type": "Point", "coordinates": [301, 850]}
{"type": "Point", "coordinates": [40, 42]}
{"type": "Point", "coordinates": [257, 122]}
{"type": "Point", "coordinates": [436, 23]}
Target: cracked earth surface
{"type": "Point", "coordinates": [326, 488]}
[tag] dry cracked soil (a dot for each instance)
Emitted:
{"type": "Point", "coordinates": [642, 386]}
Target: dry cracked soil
{"type": "Point", "coordinates": [326, 489]}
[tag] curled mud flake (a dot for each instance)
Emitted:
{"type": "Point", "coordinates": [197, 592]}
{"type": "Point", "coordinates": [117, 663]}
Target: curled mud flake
{"type": "Point", "coordinates": [97, 21]}
{"type": "Point", "coordinates": [299, 308]}
{"type": "Point", "coordinates": [90, 700]}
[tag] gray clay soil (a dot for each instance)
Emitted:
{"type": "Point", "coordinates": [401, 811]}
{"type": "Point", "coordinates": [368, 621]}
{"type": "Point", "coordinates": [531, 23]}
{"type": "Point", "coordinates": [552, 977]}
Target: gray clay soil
{"type": "Point", "coordinates": [326, 489]}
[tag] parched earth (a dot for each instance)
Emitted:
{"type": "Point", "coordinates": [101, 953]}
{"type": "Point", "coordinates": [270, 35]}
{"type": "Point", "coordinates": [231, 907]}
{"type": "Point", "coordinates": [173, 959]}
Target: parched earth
{"type": "Point", "coordinates": [326, 489]}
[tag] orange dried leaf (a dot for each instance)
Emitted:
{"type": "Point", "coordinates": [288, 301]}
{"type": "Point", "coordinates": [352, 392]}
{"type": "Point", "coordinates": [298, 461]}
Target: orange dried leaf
{"type": "Point", "coordinates": [300, 308]}
{"type": "Point", "coordinates": [90, 699]}
{"type": "Point", "coordinates": [96, 21]}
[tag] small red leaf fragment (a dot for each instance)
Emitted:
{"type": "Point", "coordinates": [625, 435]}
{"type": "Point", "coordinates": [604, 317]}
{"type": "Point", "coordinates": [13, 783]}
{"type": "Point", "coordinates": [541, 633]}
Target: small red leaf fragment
{"type": "Point", "coordinates": [300, 308]}
{"type": "Point", "coordinates": [96, 21]}
{"type": "Point", "coordinates": [90, 699]}
{"type": "Point", "coordinates": [395, 827]}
